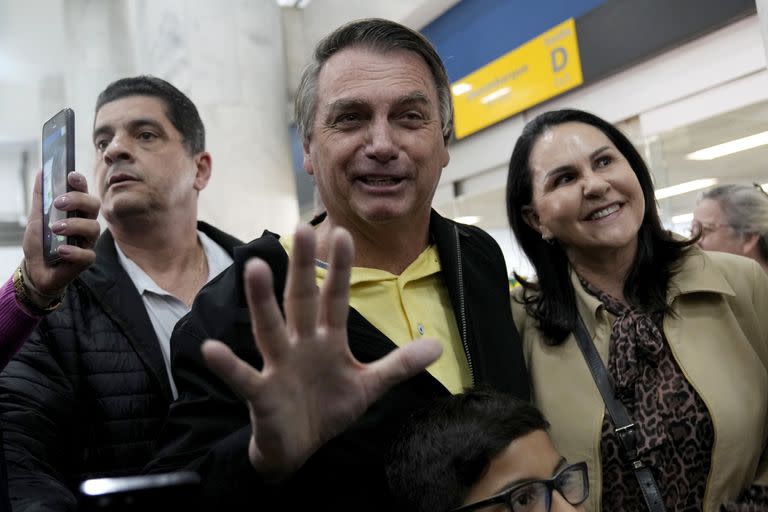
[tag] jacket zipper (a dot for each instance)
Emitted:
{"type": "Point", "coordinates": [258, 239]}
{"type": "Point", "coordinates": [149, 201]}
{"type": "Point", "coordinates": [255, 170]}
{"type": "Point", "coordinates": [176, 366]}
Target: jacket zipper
{"type": "Point", "coordinates": [462, 309]}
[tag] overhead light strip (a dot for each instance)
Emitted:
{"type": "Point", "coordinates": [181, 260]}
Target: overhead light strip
{"type": "Point", "coordinates": [730, 147]}
{"type": "Point", "coordinates": [295, 4]}
{"type": "Point", "coordinates": [684, 188]}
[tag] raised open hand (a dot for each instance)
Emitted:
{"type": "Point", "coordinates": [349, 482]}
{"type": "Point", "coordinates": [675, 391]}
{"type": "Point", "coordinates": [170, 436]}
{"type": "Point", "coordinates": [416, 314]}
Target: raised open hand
{"type": "Point", "coordinates": [311, 387]}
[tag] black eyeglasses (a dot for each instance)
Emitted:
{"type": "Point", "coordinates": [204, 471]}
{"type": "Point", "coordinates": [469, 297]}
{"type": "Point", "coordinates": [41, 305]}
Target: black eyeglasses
{"type": "Point", "coordinates": [572, 482]}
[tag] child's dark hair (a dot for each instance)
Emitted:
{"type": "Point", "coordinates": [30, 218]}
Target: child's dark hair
{"type": "Point", "coordinates": [447, 447]}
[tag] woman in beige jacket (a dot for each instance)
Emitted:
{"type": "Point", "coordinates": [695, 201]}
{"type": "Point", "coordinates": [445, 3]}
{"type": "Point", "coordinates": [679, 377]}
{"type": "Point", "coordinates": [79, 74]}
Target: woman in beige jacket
{"type": "Point", "coordinates": [683, 334]}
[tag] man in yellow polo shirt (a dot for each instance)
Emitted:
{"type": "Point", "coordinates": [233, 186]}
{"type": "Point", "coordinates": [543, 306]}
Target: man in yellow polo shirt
{"type": "Point", "coordinates": [415, 304]}
{"type": "Point", "coordinates": [375, 116]}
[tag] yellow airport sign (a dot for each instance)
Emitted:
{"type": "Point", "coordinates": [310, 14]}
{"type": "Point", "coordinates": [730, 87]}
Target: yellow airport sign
{"type": "Point", "coordinates": [540, 69]}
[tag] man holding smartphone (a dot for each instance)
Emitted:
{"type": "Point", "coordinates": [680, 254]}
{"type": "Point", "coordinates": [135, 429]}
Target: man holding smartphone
{"type": "Point", "coordinates": [87, 393]}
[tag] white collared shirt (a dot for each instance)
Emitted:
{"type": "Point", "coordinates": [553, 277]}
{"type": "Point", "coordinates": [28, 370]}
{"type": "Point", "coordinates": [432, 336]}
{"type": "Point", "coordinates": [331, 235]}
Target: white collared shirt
{"type": "Point", "coordinates": [163, 308]}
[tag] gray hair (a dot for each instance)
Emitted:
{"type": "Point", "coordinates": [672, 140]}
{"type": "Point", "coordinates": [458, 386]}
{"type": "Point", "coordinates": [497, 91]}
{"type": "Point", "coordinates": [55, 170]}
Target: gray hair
{"type": "Point", "coordinates": [379, 35]}
{"type": "Point", "coordinates": [745, 208]}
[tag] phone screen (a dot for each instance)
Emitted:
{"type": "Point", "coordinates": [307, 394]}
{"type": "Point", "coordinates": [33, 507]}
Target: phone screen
{"type": "Point", "coordinates": [58, 161]}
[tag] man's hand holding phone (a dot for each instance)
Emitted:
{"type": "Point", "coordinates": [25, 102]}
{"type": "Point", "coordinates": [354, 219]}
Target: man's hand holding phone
{"type": "Point", "coordinates": [45, 282]}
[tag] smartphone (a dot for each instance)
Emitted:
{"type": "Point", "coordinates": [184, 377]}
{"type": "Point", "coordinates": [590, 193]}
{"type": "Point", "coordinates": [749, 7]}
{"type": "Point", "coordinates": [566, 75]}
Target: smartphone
{"type": "Point", "coordinates": [58, 162]}
{"type": "Point", "coordinates": [147, 493]}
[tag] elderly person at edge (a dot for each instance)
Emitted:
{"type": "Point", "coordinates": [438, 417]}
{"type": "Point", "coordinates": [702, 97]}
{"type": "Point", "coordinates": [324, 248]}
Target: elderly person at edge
{"type": "Point", "coordinates": [733, 218]}
{"type": "Point", "coordinates": [683, 333]}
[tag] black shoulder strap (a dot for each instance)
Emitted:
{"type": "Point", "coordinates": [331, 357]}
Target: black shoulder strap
{"type": "Point", "coordinates": [623, 426]}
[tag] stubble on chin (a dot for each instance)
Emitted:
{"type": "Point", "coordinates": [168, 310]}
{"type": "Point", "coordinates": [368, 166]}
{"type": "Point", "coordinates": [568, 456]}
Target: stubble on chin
{"type": "Point", "coordinates": [125, 209]}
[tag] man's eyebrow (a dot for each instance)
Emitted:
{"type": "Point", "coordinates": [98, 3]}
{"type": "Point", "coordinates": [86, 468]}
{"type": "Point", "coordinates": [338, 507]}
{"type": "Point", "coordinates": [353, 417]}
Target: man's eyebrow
{"type": "Point", "coordinates": [132, 125]}
{"type": "Point", "coordinates": [344, 104]}
{"type": "Point", "coordinates": [137, 123]}
{"type": "Point", "coordinates": [414, 97]}
{"type": "Point", "coordinates": [101, 130]}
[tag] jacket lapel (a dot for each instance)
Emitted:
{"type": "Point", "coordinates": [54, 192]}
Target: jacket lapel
{"type": "Point", "coordinates": [118, 297]}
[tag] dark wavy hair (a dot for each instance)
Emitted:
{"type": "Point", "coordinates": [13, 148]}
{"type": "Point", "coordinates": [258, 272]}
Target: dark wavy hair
{"type": "Point", "coordinates": [446, 448]}
{"type": "Point", "coordinates": [551, 299]}
{"type": "Point", "coordinates": [181, 111]}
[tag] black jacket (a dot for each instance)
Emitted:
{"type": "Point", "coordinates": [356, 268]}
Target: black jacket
{"type": "Point", "coordinates": [87, 393]}
{"type": "Point", "coordinates": [208, 428]}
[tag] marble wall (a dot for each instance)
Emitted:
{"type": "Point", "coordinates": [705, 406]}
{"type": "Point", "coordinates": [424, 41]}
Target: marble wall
{"type": "Point", "coordinates": [228, 56]}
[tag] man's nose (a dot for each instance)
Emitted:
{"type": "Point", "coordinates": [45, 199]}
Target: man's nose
{"type": "Point", "coordinates": [117, 150]}
{"type": "Point", "coordinates": [381, 144]}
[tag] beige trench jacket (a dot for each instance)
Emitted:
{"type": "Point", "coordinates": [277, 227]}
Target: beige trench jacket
{"type": "Point", "coordinates": [718, 335]}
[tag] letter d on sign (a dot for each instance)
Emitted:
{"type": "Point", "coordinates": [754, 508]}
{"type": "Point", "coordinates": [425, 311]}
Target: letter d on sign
{"type": "Point", "coordinates": [559, 58]}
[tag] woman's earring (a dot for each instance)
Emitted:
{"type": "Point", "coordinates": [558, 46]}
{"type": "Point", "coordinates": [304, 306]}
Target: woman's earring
{"type": "Point", "coordinates": [548, 239]}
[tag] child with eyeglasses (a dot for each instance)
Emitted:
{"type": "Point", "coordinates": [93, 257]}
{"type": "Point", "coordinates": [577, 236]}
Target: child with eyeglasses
{"type": "Point", "coordinates": [483, 450]}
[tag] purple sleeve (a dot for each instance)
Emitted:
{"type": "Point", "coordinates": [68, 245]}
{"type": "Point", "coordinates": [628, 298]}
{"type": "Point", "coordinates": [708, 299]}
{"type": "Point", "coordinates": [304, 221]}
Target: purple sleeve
{"type": "Point", "coordinates": [16, 324]}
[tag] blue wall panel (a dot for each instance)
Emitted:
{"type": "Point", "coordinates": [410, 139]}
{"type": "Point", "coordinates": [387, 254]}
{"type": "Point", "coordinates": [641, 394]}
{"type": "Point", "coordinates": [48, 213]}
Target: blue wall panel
{"type": "Point", "coordinates": [475, 32]}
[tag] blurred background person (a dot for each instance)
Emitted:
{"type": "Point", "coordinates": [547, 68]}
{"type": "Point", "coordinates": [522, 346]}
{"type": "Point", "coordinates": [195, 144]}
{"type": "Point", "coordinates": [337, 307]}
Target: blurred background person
{"type": "Point", "coordinates": [682, 332]}
{"type": "Point", "coordinates": [733, 218]}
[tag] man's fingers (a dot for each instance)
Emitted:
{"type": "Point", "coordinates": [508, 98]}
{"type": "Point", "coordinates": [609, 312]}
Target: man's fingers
{"type": "Point", "coordinates": [300, 298]}
{"type": "Point", "coordinates": [241, 377]}
{"type": "Point", "coordinates": [37, 197]}
{"type": "Point", "coordinates": [86, 230]}
{"type": "Point", "coordinates": [267, 322]}
{"type": "Point", "coordinates": [334, 303]}
{"type": "Point", "coordinates": [77, 257]}
{"type": "Point", "coordinates": [86, 205]}
{"type": "Point", "coordinates": [399, 365]}
{"type": "Point", "coordinates": [77, 181]}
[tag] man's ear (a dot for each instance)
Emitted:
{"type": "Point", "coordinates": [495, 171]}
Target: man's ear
{"type": "Point", "coordinates": [308, 166]}
{"type": "Point", "coordinates": [749, 248]}
{"type": "Point", "coordinates": [204, 168]}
